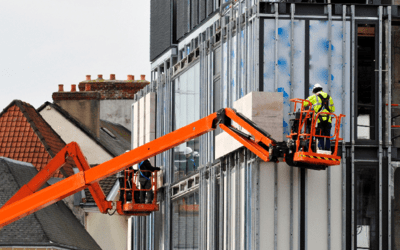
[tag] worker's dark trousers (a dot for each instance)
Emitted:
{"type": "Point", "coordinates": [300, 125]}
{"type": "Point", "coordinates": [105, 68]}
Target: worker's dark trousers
{"type": "Point", "coordinates": [325, 129]}
{"type": "Point", "coordinates": [145, 196]}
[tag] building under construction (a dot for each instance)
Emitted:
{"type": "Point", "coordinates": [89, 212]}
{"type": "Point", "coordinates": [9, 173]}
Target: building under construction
{"type": "Point", "coordinates": [255, 56]}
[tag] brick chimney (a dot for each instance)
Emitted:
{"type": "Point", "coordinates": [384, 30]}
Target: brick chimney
{"type": "Point", "coordinates": [83, 106]}
{"type": "Point", "coordinates": [116, 96]}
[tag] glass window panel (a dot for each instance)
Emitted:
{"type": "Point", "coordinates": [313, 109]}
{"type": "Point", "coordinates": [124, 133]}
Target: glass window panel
{"type": "Point", "coordinates": [185, 221]}
{"type": "Point", "coordinates": [175, 225]}
{"type": "Point", "coordinates": [187, 110]}
{"type": "Point", "coordinates": [366, 202]}
{"type": "Point", "coordinates": [217, 61]}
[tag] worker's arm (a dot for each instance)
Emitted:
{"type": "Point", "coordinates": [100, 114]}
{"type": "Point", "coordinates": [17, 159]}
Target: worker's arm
{"type": "Point", "coordinates": [331, 105]}
{"type": "Point", "coordinates": [305, 104]}
{"type": "Point", "coordinates": [147, 166]}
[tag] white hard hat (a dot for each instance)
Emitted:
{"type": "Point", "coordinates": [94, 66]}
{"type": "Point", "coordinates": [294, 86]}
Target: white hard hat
{"type": "Point", "coordinates": [187, 151]}
{"type": "Point", "coordinates": [317, 86]}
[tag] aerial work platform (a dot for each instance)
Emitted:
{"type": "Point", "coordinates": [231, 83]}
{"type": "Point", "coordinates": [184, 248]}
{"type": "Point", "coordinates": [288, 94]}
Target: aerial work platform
{"type": "Point", "coordinates": [30, 199]}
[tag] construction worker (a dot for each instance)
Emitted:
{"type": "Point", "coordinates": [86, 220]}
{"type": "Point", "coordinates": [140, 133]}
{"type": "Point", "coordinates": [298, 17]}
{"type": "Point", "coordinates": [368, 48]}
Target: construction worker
{"type": "Point", "coordinates": [322, 102]}
{"type": "Point", "coordinates": [145, 168]}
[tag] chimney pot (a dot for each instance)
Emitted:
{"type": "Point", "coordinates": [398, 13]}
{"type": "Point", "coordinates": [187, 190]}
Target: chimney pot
{"type": "Point", "coordinates": [100, 77]}
{"type": "Point", "coordinates": [131, 77]}
{"type": "Point", "coordinates": [60, 87]}
{"type": "Point", "coordinates": [73, 87]}
{"type": "Point", "coordinates": [142, 77]}
{"type": "Point", "coordinates": [88, 77]}
{"type": "Point", "coordinates": [112, 77]}
{"type": "Point", "coordinates": [88, 87]}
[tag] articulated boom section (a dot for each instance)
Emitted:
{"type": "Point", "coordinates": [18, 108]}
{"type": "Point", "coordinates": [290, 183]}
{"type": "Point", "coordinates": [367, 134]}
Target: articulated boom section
{"type": "Point", "coordinates": [29, 200]}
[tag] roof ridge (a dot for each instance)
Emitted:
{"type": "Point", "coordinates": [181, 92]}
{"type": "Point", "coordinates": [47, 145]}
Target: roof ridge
{"type": "Point", "coordinates": [81, 126]}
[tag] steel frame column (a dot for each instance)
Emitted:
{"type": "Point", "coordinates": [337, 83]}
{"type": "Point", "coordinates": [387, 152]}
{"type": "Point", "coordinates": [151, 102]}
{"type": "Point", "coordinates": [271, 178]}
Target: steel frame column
{"type": "Point", "coordinates": [389, 119]}
{"type": "Point", "coordinates": [344, 26]}
{"type": "Point", "coordinates": [329, 170]}
{"type": "Point", "coordinates": [352, 110]}
{"type": "Point", "coordinates": [380, 10]}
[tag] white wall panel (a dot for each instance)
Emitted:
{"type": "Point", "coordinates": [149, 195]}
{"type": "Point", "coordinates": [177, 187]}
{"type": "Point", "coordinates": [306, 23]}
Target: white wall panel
{"type": "Point", "coordinates": [266, 201]}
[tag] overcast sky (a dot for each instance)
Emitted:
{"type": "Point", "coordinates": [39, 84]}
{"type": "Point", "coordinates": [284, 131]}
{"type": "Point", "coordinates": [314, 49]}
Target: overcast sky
{"type": "Point", "coordinates": [44, 43]}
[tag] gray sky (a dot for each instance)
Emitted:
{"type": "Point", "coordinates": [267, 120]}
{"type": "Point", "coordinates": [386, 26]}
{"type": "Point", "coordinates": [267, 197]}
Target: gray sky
{"type": "Point", "coordinates": [44, 43]}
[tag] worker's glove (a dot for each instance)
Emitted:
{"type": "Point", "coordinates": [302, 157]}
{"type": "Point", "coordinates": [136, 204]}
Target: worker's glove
{"type": "Point", "coordinates": [158, 169]}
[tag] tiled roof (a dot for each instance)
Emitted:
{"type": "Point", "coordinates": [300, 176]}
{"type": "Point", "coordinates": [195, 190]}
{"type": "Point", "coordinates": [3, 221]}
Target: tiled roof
{"type": "Point", "coordinates": [53, 226]}
{"type": "Point", "coordinates": [26, 136]}
{"type": "Point", "coordinates": [114, 139]}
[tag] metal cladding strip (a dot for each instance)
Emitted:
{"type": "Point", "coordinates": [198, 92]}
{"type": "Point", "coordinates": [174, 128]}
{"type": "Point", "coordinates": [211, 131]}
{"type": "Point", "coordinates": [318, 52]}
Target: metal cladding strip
{"type": "Point", "coordinates": [306, 209]}
{"type": "Point", "coordinates": [252, 201]}
{"type": "Point", "coordinates": [237, 202]}
{"type": "Point", "coordinates": [275, 206]}
{"type": "Point", "coordinates": [292, 12]}
{"type": "Point", "coordinates": [389, 141]}
{"type": "Point", "coordinates": [329, 174]}
{"type": "Point", "coordinates": [257, 48]}
{"type": "Point", "coordinates": [380, 8]}
{"type": "Point", "coordinates": [212, 134]}
{"type": "Point", "coordinates": [246, 202]}
{"type": "Point", "coordinates": [221, 207]}
{"type": "Point", "coordinates": [238, 54]}
{"type": "Point", "coordinates": [246, 47]}
{"type": "Point", "coordinates": [42, 198]}
{"type": "Point", "coordinates": [276, 6]}
{"type": "Point", "coordinates": [228, 58]}
{"type": "Point", "coordinates": [343, 133]}
{"type": "Point", "coordinates": [353, 47]}
{"type": "Point", "coordinates": [256, 209]}
{"type": "Point", "coordinates": [201, 95]}
{"type": "Point", "coordinates": [229, 204]}
{"type": "Point", "coordinates": [292, 52]}
{"type": "Point", "coordinates": [142, 233]}
{"type": "Point", "coordinates": [221, 74]}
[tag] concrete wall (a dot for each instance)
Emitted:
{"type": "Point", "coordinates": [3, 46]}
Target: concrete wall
{"type": "Point", "coordinates": [117, 111]}
{"type": "Point", "coordinates": [276, 202]}
{"type": "Point", "coordinates": [69, 132]}
{"type": "Point", "coordinates": [108, 231]}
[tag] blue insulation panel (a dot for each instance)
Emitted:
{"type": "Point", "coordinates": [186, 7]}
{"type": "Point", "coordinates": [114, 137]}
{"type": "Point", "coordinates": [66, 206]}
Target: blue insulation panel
{"type": "Point", "coordinates": [277, 66]}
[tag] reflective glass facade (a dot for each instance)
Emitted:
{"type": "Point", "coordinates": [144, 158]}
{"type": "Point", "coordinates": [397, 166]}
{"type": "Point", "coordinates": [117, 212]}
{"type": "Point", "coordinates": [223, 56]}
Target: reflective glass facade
{"type": "Point", "coordinates": [186, 110]}
{"type": "Point", "coordinates": [185, 222]}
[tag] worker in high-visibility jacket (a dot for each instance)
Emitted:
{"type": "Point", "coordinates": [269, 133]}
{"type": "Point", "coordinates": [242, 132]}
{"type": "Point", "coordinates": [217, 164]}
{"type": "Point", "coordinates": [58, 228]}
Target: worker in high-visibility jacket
{"type": "Point", "coordinates": [322, 102]}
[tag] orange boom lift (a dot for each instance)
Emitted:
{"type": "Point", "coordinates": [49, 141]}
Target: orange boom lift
{"type": "Point", "coordinates": [30, 199]}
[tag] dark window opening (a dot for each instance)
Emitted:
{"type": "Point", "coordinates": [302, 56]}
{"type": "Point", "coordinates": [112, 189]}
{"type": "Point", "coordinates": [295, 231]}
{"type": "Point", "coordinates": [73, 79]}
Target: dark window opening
{"type": "Point", "coordinates": [366, 87]}
{"type": "Point", "coordinates": [367, 207]}
{"type": "Point", "coordinates": [396, 211]}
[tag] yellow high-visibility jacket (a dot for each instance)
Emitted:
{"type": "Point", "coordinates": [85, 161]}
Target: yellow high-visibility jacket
{"type": "Point", "coordinates": [317, 103]}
